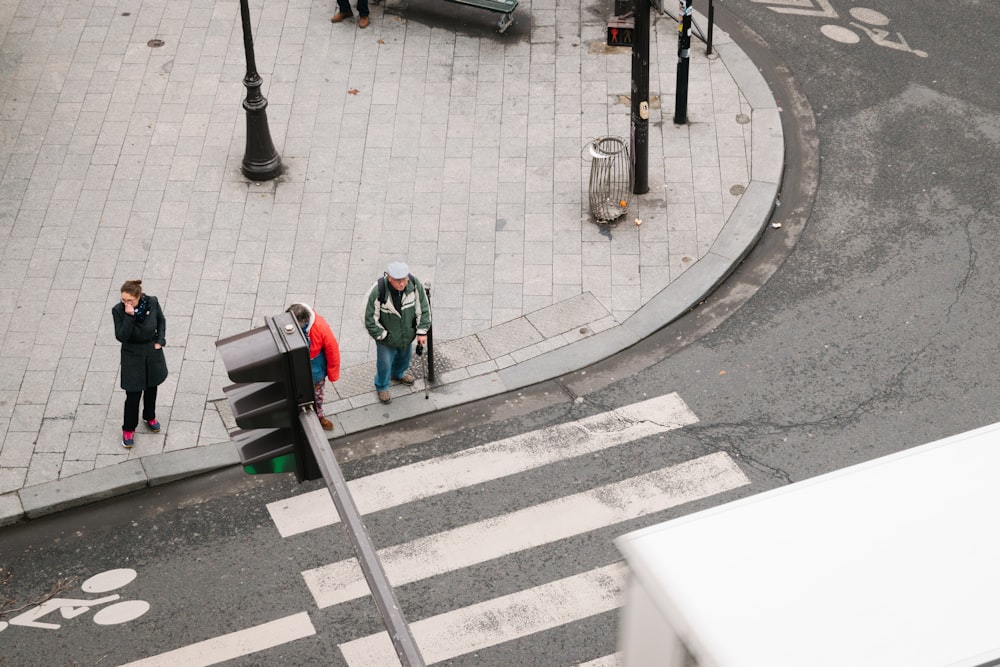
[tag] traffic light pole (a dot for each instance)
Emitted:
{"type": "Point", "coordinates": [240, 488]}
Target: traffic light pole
{"type": "Point", "coordinates": [385, 598]}
{"type": "Point", "coordinates": [640, 99]}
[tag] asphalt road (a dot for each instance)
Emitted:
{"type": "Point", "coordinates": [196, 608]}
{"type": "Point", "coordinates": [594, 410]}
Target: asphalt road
{"type": "Point", "coordinates": [208, 559]}
{"type": "Point", "coordinates": [864, 325]}
{"type": "Point", "coordinates": [878, 331]}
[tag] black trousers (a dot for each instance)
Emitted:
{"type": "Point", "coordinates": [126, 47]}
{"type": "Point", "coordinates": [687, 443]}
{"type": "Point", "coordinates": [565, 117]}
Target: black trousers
{"type": "Point", "coordinates": [132, 407]}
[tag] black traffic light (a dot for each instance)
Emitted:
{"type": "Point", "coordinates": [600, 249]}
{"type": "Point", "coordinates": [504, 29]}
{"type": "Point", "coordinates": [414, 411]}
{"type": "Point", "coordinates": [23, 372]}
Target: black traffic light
{"type": "Point", "coordinates": [270, 365]}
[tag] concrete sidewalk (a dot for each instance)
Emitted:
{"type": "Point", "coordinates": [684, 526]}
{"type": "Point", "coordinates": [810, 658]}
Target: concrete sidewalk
{"type": "Point", "coordinates": [447, 144]}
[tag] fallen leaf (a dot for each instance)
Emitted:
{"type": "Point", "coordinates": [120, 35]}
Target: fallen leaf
{"type": "Point", "coordinates": [352, 91]}
{"type": "Point", "coordinates": [722, 372]}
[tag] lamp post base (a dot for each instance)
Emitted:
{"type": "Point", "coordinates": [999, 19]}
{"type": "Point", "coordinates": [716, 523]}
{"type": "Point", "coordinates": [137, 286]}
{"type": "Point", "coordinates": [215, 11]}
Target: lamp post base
{"type": "Point", "coordinates": [261, 161]}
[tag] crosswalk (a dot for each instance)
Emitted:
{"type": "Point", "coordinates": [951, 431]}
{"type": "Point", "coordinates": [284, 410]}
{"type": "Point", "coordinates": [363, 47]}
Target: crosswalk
{"type": "Point", "coordinates": [491, 461]}
{"type": "Point", "coordinates": [531, 527]}
{"type": "Point", "coordinates": [488, 623]}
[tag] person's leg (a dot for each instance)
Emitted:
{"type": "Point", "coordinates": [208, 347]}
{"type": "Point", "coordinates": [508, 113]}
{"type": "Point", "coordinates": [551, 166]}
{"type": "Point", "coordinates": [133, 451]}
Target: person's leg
{"type": "Point", "coordinates": [131, 419]}
{"type": "Point", "coordinates": [343, 11]}
{"type": "Point", "coordinates": [362, 7]}
{"type": "Point", "coordinates": [383, 364]}
{"type": "Point", "coordinates": [149, 409]}
{"type": "Point", "coordinates": [318, 390]}
{"type": "Point", "coordinates": [149, 404]}
{"type": "Point", "coordinates": [401, 364]}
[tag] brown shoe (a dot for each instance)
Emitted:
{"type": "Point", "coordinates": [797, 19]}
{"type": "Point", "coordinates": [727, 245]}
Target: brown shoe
{"type": "Point", "coordinates": [406, 379]}
{"type": "Point", "coordinates": [340, 16]}
{"type": "Point", "coordinates": [363, 22]}
{"type": "Point", "coordinates": [326, 424]}
{"type": "Point", "coordinates": [384, 397]}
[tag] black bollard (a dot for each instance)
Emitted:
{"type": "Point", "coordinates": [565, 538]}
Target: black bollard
{"type": "Point", "coordinates": [683, 63]}
{"type": "Point", "coordinates": [430, 340]}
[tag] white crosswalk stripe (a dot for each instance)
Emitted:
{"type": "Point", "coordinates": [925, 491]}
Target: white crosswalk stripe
{"type": "Point", "coordinates": [499, 620]}
{"type": "Point", "coordinates": [519, 615]}
{"type": "Point", "coordinates": [613, 660]}
{"type": "Point", "coordinates": [234, 645]}
{"type": "Point", "coordinates": [488, 462]}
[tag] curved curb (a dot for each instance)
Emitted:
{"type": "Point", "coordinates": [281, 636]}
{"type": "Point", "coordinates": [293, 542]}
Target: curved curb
{"type": "Point", "coordinates": [738, 236]}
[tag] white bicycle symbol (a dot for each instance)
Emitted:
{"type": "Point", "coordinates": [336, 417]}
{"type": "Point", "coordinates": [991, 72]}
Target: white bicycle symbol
{"type": "Point", "coordinates": [120, 612]}
{"type": "Point", "coordinates": [877, 34]}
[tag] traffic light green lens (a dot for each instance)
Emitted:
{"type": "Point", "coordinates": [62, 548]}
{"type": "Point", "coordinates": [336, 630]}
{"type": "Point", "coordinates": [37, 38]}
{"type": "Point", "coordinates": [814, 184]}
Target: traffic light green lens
{"type": "Point", "coordinates": [285, 463]}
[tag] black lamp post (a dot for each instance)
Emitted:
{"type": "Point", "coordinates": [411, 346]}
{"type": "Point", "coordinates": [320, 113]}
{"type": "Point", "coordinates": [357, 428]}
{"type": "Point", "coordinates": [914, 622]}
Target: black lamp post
{"type": "Point", "coordinates": [261, 161]}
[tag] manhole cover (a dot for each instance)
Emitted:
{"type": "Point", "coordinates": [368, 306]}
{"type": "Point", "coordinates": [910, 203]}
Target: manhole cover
{"type": "Point", "coordinates": [154, 43]}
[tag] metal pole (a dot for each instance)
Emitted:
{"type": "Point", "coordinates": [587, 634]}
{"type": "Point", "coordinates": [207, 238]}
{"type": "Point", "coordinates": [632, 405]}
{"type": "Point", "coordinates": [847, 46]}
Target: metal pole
{"type": "Point", "coordinates": [711, 25]}
{"type": "Point", "coordinates": [260, 159]}
{"type": "Point", "coordinates": [385, 598]}
{"type": "Point", "coordinates": [429, 377]}
{"type": "Point", "coordinates": [640, 99]}
{"type": "Point", "coordinates": [683, 63]}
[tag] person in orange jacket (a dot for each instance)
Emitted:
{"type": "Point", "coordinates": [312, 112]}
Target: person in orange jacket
{"type": "Point", "coordinates": [324, 353]}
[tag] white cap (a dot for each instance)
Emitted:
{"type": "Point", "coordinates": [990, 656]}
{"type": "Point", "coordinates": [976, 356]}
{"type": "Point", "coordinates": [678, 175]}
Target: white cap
{"type": "Point", "coordinates": [397, 270]}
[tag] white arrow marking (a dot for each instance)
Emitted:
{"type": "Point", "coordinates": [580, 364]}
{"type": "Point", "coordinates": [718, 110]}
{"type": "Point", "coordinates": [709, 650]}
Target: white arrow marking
{"type": "Point", "coordinates": [804, 7]}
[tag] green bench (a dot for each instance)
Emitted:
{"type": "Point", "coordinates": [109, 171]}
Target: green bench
{"type": "Point", "coordinates": [504, 7]}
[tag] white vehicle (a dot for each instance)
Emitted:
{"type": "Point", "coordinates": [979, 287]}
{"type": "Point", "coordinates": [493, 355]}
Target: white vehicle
{"type": "Point", "coordinates": [890, 563]}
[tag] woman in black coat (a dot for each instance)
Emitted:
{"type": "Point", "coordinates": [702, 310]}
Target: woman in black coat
{"type": "Point", "coordinates": [141, 328]}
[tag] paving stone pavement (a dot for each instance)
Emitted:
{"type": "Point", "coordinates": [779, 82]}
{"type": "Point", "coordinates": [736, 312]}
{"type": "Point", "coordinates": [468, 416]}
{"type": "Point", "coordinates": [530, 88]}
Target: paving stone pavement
{"type": "Point", "coordinates": [428, 136]}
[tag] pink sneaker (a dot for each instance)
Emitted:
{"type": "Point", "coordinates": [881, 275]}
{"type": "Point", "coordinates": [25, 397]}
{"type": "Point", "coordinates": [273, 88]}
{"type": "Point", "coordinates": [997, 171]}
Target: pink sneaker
{"type": "Point", "coordinates": [128, 439]}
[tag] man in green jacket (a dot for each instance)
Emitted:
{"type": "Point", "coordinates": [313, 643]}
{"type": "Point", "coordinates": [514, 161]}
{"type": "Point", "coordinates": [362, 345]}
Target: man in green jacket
{"type": "Point", "coordinates": [397, 311]}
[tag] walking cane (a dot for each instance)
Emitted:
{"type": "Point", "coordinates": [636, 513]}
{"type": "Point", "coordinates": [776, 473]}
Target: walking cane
{"type": "Point", "coordinates": [423, 369]}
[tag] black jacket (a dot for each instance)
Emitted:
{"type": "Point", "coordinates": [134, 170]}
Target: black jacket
{"type": "Point", "coordinates": [142, 364]}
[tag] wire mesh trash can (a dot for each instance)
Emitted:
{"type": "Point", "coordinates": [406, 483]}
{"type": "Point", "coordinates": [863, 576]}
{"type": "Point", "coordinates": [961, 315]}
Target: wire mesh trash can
{"type": "Point", "coordinates": [610, 178]}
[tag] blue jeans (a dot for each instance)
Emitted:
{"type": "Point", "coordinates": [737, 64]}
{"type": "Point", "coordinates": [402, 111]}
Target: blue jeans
{"type": "Point", "coordinates": [345, 7]}
{"type": "Point", "coordinates": [391, 363]}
